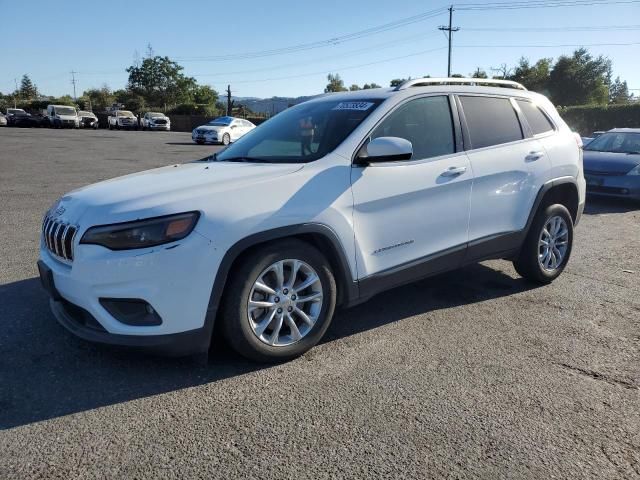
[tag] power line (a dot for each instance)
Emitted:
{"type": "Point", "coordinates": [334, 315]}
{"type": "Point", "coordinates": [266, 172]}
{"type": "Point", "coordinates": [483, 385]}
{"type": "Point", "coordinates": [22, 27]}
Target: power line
{"type": "Point", "coordinates": [449, 29]}
{"type": "Point", "coordinates": [339, 69]}
{"type": "Point", "coordinates": [553, 45]}
{"type": "Point", "coordinates": [555, 29]}
{"type": "Point", "coordinates": [538, 4]}
{"type": "Point", "coordinates": [323, 43]}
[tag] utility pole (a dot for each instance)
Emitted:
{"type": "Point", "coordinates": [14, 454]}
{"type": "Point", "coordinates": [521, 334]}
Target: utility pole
{"type": "Point", "coordinates": [229, 100]}
{"type": "Point", "coordinates": [449, 29]}
{"type": "Point", "coordinates": [73, 81]}
{"type": "Point", "coordinates": [15, 80]}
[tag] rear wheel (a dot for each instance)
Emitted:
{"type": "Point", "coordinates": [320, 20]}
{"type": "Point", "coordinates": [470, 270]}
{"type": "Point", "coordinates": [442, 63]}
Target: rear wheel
{"type": "Point", "coordinates": [279, 302]}
{"type": "Point", "coordinates": [548, 245]}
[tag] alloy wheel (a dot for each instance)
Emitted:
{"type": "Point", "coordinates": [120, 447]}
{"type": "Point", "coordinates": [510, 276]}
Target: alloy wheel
{"type": "Point", "coordinates": [285, 302]}
{"type": "Point", "coordinates": [553, 243]}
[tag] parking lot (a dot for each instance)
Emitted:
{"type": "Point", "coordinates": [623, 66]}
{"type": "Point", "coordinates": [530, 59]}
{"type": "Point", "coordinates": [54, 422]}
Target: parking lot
{"type": "Point", "coordinates": [474, 373]}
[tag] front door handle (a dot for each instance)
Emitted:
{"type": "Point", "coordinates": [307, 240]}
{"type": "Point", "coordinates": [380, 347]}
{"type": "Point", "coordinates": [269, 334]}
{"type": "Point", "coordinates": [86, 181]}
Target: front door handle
{"type": "Point", "coordinates": [454, 171]}
{"type": "Point", "coordinates": [534, 155]}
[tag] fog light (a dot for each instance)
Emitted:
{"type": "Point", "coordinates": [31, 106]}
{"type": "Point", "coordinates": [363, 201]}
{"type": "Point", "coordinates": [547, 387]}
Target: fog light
{"type": "Point", "coordinates": [131, 311]}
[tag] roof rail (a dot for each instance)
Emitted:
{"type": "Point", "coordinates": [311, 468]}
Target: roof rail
{"type": "Point", "coordinates": [425, 82]}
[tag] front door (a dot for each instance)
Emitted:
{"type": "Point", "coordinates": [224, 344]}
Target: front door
{"type": "Point", "coordinates": [413, 211]}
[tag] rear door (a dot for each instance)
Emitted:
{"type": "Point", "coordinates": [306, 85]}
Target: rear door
{"type": "Point", "coordinates": [509, 166]}
{"type": "Point", "coordinates": [407, 213]}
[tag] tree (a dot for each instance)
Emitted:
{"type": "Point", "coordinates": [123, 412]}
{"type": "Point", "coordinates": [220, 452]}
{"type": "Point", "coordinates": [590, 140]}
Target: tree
{"type": "Point", "coordinates": [204, 95]}
{"type": "Point", "coordinates": [619, 92]}
{"type": "Point", "coordinates": [354, 87]}
{"type": "Point", "coordinates": [580, 79]}
{"type": "Point", "coordinates": [502, 72]}
{"type": "Point", "coordinates": [457, 75]}
{"type": "Point", "coordinates": [398, 81]}
{"type": "Point", "coordinates": [534, 77]}
{"type": "Point", "coordinates": [98, 98]}
{"type": "Point", "coordinates": [160, 81]}
{"type": "Point", "coordinates": [335, 84]}
{"type": "Point", "coordinates": [368, 86]}
{"type": "Point", "coordinates": [27, 90]}
{"type": "Point", "coordinates": [479, 73]}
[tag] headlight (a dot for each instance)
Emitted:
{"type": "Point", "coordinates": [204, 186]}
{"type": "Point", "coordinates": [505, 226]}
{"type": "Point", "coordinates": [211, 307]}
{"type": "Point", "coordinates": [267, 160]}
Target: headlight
{"type": "Point", "coordinates": [635, 170]}
{"type": "Point", "coordinates": [142, 233]}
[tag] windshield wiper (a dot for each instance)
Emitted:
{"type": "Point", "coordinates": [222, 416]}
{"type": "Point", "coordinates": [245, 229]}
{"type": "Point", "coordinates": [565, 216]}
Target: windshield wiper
{"type": "Point", "coordinates": [244, 159]}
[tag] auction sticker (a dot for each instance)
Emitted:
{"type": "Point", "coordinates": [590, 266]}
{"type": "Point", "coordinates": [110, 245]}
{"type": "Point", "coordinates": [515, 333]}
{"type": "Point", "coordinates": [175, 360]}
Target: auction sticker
{"type": "Point", "coordinates": [353, 106]}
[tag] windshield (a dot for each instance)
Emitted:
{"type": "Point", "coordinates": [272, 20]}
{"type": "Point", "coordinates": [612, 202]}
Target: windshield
{"type": "Point", "coordinates": [14, 110]}
{"type": "Point", "coordinates": [65, 111]}
{"type": "Point", "coordinates": [221, 121]}
{"type": "Point", "coordinates": [302, 133]}
{"type": "Point", "coordinates": [615, 142]}
{"type": "Point", "coordinates": [125, 113]}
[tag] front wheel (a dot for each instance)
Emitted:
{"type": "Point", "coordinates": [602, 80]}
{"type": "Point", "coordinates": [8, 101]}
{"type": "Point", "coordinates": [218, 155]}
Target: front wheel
{"type": "Point", "coordinates": [226, 139]}
{"type": "Point", "coordinates": [547, 248]}
{"type": "Point", "coordinates": [279, 302]}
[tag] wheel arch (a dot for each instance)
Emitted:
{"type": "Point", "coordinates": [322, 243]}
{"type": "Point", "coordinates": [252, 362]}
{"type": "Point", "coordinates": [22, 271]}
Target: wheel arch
{"type": "Point", "coordinates": [319, 235]}
{"type": "Point", "coordinates": [562, 190]}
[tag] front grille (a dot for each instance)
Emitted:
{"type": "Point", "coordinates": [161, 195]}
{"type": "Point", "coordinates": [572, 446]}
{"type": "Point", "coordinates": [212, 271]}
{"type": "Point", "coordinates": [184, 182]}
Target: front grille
{"type": "Point", "coordinates": [58, 237]}
{"type": "Point", "coordinates": [608, 190]}
{"type": "Point", "coordinates": [160, 122]}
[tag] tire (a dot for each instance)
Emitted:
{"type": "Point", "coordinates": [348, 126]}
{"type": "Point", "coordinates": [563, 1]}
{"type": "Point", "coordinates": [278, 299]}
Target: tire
{"type": "Point", "coordinates": [226, 139]}
{"type": "Point", "coordinates": [239, 321]}
{"type": "Point", "coordinates": [200, 142]}
{"type": "Point", "coordinates": [533, 262]}
{"type": "Point", "coordinates": [110, 127]}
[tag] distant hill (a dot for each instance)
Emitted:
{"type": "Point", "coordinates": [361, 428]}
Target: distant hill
{"type": "Point", "coordinates": [270, 105]}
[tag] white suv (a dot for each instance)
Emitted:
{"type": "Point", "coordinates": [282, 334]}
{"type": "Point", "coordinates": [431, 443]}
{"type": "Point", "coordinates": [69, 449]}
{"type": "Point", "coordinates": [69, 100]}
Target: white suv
{"type": "Point", "coordinates": [324, 205]}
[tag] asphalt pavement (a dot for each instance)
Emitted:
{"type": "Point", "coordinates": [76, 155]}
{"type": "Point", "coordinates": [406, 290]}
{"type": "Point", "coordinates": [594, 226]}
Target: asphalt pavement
{"type": "Point", "coordinates": [471, 374]}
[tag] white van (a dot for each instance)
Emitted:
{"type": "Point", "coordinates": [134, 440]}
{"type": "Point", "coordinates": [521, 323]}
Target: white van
{"type": "Point", "coordinates": [62, 116]}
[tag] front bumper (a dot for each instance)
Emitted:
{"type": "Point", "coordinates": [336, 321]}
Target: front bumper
{"type": "Point", "coordinates": [152, 126]}
{"type": "Point", "coordinates": [175, 279]}
{"type": "Point", "coordinates": [619, 186]}
{"type": "Point", "coordinates": [204, 138]}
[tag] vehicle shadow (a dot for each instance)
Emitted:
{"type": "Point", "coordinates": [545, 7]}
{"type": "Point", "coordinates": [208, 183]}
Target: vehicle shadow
{"type": "Point", "coordinates": [600, 205]}
{"type": "Point", "coordinates": [45, 372]}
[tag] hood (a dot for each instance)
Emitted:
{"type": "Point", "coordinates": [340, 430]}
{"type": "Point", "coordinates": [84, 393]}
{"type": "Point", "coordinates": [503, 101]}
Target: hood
{"type": "Point", "coordinates": [210, 128]}
{"type": "Point", "coordinates": [162, 191]}
{"type": "Point", "coordinates": [607, 162]}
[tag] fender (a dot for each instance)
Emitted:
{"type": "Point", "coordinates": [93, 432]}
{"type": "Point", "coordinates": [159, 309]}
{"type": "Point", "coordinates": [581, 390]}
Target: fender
{"type": "Point", "coordinates": [350, 291]}
{"type": "Point", "coordinates": [542, 192]}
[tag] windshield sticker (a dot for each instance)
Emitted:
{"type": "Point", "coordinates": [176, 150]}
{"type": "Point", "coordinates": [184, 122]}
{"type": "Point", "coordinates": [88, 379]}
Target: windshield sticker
{"type": "Point", "coordinates": [361, 106]}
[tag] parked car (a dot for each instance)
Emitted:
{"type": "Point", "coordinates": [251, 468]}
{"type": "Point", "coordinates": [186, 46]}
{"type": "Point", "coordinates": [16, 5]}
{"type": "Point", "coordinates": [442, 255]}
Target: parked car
{"type": "Point", "coordinates": [612, 164]}
{"type": "Point", "coordinates": [62, 116]}
{"type": "Point", "coordinates": [267, 237]}
{"type": "Point", "coordinates": [3, 120]}
{"type": "Point", "coordinates": [13, 111]}
{"type": "Point", "coordinates": [87, 119]}
{"type": "Point", "coordinates": [222, 130]}
{"type": "Point", "coordinates": [156, 121]}
{"type": "Point", "coordinates": [23, 119]}
{"type": "Point", "coordinates": [122, 119]}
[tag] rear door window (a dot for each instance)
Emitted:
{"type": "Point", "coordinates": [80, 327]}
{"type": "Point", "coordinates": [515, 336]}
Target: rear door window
{"type": "Point", "coordinates": [537, 120]}
{"type": "Point", "coordinates": [491, 121]}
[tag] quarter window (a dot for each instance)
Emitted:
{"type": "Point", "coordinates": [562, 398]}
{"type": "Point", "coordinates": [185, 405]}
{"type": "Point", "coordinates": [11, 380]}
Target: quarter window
{"type": "Point", "coordinates": [491, 121]}
{"type": "Point", "coordinates": [425, 122]}
{"type": "Point", "coordinates": [537, 120]}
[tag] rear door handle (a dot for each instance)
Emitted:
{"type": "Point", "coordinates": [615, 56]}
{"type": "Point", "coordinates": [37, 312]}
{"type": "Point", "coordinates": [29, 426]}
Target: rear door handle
{"type": "Point", "coordinates": [454, 171]}
{"type": "Point", "coordinates": [534, 155]}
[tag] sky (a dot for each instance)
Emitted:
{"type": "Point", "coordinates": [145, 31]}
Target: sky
{"type": "Point", "coordinates": [216, 42]}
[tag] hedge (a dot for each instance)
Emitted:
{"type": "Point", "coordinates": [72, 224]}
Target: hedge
{"type": "Point", "coordinates": [587, 119]}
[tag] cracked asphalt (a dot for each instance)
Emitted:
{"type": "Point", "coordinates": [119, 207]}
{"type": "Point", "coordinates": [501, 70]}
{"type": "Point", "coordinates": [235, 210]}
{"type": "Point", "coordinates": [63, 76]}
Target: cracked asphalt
{"type": "Point", "coordinates": [471, 374]}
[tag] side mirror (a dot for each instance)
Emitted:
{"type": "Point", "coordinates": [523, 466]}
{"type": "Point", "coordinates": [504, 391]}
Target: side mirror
{"type": "Point", "coordinates": [385, 149]}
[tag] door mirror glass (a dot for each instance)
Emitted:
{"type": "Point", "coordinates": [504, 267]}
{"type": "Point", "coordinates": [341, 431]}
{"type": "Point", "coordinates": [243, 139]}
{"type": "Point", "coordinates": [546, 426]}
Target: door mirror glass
{"type": "Point", "coordinates": [386, 149]}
